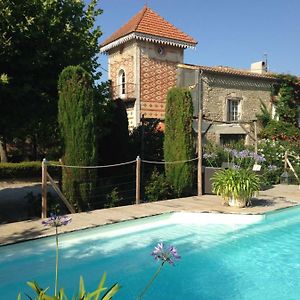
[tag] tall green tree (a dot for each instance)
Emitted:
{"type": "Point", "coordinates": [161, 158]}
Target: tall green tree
{"type": "Point", "coordinates": [38, 39]}
{"type": "Point", "coordinates": [178, 142]}
{"type": "Point", "coordinates": [77, 120]}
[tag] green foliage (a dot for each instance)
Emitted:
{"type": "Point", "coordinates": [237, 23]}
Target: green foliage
{"type": "Point", "coordinates": [265, 116]}
{"type": "Point", "coordinates": [287, 93]}
{"type": "Point", "coordinates": [270, 177]}
{"type": "Point", "coordinates": [178, 142]}
{"type": "Point", "coordinates": [82, 293]}
{"type": "Point", "coordinates": [236, 183]}
{"type": "Point", "coordinates": [146, 141]}
{"type": "Point", "coordinates": [113, 198]}
{"type": "Point", "coordinates": [38, 40]}
{"type": "Point", "coordinates": [113, 144]}
{"type": "Point", "coordinates": [77, 119]}
{"type": "Point", "coordinates": [214, 155]}
{"type": "Point", "coordinates": [157, 187]}
{"type": "Point", "coordinates": [283, 131]}
{"type": "Point", "coordinates": [3, 79]}
{"type": "Point", "coordinates": [273, 151]}
{"type": "Point", "coordinates": [28, 169]}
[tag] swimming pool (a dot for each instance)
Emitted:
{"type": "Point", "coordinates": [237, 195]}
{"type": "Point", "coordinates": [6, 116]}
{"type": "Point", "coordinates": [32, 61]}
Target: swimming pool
{"type": "Point", "coordinates": [223, 257]}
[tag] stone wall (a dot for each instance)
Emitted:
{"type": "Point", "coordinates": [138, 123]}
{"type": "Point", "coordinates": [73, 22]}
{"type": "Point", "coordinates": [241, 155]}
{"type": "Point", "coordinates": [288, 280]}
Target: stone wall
{"type": "Point", "coordinates": [217, 89]}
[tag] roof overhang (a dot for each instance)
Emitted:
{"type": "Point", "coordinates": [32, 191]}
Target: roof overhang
{"type": "Point", "coordinates": [229, 71]}
{"type": "Point", "coordinates": [147, 38]}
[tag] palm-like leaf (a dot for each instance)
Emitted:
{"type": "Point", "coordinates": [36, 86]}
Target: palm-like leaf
{"type": "Point", "coordinates": [82, 294]}
{"type": "Point", "coordinates": [240, 184]}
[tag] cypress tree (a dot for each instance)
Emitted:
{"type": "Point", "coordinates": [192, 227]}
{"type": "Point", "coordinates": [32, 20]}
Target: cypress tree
{"type": "Point", "coordinates": [77, 119]}
{"type": "Point", "coordinates": [178, 142]}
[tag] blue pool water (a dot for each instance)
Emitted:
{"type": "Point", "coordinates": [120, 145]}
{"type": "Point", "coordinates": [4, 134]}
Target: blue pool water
{"type": "Point", "coordinates": [223, 257]}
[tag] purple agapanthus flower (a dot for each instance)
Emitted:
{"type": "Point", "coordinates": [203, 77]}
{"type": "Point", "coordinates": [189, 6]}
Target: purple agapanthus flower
{"type": "Point", "coordinates": [258, 158]}
{"type": "Point", "coordinates": [244, 154]}
{"type": "Point", "coordinates": [57, 221]}
{"type": "Point", "coordinates": [165, 254]}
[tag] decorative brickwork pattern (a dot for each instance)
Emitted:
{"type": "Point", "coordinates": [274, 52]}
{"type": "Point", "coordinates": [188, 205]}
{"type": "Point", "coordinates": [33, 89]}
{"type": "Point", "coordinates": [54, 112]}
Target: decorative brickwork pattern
{"type": "Point", "coordinates": [157, 77]}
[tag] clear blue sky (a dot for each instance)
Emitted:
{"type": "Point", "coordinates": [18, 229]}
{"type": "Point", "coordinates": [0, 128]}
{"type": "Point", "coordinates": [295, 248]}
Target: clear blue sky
{"type": "Point", "coordinates": [230, 33]}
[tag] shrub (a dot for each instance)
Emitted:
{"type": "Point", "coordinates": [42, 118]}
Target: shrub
{"type": "Point", "coordinates": [29, 169]}
{"type": "Point", "coordinates": [157, 187]}
{"type": "Point", "coordinates": [113, 198]}
{"type": "Point", "coordinates": [280, 130]}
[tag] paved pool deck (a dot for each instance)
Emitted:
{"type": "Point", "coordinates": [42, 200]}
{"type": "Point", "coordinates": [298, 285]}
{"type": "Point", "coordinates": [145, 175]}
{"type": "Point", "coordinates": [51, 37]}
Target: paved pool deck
{"type": "Point", "coordinates": [275, 198]}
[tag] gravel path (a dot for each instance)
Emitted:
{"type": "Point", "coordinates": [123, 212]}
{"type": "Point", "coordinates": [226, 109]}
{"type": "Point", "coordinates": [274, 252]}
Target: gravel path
{"type": "Point", "coordinates": [13, 204]}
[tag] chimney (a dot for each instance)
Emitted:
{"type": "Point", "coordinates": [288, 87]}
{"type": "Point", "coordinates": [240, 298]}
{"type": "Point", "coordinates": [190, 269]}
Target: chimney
{"type": "Point", "coordinates": [258, 67]}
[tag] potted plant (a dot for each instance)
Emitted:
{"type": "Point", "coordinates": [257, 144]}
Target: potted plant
{"type": "Point", "coordinates": [236, 186]}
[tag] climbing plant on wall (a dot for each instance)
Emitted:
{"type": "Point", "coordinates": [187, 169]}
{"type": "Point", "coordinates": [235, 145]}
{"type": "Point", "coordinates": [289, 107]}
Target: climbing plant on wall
{"type": "Point", "coordinates": [286, 95]}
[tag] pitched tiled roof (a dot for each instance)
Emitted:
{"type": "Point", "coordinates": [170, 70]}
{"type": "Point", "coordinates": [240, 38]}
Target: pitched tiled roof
{"type": "Point", "coordinates": [149, 23]}
{"type": "Point", "coordinates": [231, 71]}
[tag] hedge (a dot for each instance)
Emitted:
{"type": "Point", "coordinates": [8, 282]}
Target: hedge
{"type": "Point", "coordinates": [28, 169]}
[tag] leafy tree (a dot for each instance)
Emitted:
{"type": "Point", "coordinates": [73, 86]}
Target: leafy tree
{"type": "Point", "coordinates": [38, 39]}
{"type": "Point", "coordinates": [77, 119]}
{"type": "Point", "coordinates": [178, 142]}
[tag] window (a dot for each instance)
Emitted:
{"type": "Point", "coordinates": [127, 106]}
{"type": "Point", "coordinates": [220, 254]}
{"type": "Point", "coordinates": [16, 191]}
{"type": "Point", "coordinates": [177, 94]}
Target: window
{"type": "Point", "coordinates": [227, 139]}
{"type": "Point", "coordinates": [122, 83]}
{"type": "Point", "coordinates": [233, 110]}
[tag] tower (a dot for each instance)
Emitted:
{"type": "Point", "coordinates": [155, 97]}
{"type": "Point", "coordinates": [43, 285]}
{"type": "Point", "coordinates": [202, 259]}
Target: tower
{"type": "Point", "coordinates": [142, 61]}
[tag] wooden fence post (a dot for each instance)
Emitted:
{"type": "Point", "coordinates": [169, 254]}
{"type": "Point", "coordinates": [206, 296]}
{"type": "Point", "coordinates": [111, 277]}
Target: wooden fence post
{"type": "Point", "coordinates": [199, 175]}
{"type": "Point", "coordinates": [138, 181]}
{"type": "Point", "coordinates": [44, 188]}
{"type": "Point", "coordinates": [285, 160]}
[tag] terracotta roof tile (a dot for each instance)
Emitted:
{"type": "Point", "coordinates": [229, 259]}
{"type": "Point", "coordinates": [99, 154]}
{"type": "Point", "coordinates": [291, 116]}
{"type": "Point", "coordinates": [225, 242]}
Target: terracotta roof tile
{"type": "Point", "coordinates": [146, 21]}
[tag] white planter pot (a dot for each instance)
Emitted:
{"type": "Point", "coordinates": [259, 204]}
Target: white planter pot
{"type": "Point", "coordinates": [236, 202]}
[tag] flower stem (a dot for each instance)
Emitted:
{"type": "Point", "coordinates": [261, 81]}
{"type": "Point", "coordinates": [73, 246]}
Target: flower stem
{"type": "Point", "coordinates": [56, 263]}
{"type": "Point", "coordinates": [150, 282]}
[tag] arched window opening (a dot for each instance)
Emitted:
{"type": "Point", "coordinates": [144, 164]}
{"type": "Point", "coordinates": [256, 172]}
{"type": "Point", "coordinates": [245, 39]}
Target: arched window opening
{"type": "Point", "coordinates": [122, 83]}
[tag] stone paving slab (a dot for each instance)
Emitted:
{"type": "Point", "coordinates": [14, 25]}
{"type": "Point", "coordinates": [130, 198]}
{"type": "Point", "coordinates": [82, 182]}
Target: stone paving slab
{"type": "Point", "coordinates": [278, 197]}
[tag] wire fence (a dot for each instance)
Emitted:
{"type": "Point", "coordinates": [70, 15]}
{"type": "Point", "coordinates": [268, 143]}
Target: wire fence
{"type": "Point", "coordinates": [118, 184]}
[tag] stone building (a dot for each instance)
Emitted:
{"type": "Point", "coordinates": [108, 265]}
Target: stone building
{"type": "Point", "coordinates": [142, 62]}
{"type": "Point", "coordinates": [230, 99]}
{"type": "Point", "coordinates": [145, 59]}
